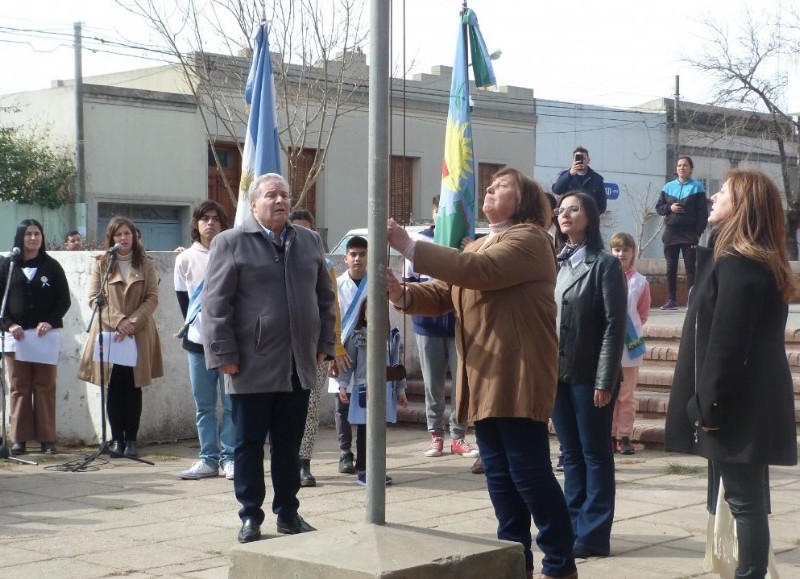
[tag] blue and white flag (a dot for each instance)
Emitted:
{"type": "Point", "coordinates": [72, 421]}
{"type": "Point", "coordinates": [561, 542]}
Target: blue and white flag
{"type": "Point", "coordinates": [262, 151]}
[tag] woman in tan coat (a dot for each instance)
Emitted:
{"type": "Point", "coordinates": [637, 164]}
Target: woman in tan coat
{"type": "Point", "coordinates": [501, 290]}
{"type": "Point", "coordinates": [131, 300]}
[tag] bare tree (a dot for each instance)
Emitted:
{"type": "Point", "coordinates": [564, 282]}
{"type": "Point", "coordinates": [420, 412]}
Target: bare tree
{"type": "Point", "coordinates": [746, 67]}
{"type": "Point", "coordinates": [643, 210]}
{"type": "Point", "coordinates": [318, 65]}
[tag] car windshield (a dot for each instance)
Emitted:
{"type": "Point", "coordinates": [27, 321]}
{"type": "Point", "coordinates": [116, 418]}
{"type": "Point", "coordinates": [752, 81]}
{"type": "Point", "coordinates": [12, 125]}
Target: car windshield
{"type": "Point", "coordinates": [339, 248]}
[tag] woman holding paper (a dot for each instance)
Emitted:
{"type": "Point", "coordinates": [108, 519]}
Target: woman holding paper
{"type": "Point", "coordinates": [38, 298]}
{"type": "Point", "coordinates": [131, 299]}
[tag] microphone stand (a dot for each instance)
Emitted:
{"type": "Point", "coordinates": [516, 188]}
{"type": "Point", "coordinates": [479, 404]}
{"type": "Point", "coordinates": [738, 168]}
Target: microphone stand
{"type": "Point", "coordinates": [99, 302]}
{"type": "Point", "coordinates": [5, 454]}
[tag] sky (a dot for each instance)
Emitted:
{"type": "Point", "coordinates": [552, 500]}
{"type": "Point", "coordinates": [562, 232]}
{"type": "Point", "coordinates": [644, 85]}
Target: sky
{"type": "Point", "coordinates": [614, 53]}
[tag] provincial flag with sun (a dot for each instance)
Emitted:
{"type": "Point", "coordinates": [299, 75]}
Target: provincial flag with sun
{"type": "Point", "coordinates": [457, 200]}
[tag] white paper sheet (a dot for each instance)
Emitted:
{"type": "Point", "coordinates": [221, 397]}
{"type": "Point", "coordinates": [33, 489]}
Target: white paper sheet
{"type": "Point", "coordinates": [38, 349]}
{"type": "Point", "coordinates": [123, 353]}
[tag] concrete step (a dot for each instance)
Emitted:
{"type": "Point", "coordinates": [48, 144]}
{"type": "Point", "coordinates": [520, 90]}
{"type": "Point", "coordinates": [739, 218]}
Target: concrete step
{"type": "Point", "coordinates": [651, 404]}
{"type": "Point", "coordinates": [655, 378]}
{"type": "Point", "coordinates": [414, 413]}
{"type": "Point", "coordinates": [416, 387]}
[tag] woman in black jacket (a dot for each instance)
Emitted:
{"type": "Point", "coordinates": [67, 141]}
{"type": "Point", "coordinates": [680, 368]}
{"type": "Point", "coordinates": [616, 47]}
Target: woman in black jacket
{"type": "Point", "coordinates": [732, 399]}
{"type": "Point", "coordinates": [38, 299]}
{"type": "Point", "coordinates": [592, 297]}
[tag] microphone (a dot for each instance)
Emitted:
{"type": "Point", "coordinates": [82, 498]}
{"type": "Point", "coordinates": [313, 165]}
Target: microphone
{"type": "Point", "coordinates": [114, 248]}
{"type": "Point", "coordinates": [15, 252]}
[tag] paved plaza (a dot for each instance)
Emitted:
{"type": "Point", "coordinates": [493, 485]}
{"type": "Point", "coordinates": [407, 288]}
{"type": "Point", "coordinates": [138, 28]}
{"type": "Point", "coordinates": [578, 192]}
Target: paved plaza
{"type": "Point", "coordinates": [125, 519]}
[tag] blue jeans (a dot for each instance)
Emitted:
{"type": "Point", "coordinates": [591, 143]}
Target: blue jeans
{"type": "Point", "coordinates": [521, 483]}
{"type": "Point", "coordinates": [436, 354]}
{"type": "Point", "coordinates": [205, 385]}
{"type": "Point", "coordinates": [584, 432]}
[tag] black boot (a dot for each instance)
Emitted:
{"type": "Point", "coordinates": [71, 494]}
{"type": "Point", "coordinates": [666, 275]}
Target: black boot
{"type": "Point", "coordinates": [130, 448]}
{"type": "Point", "coordinates": [116, 448]}
{"type": "Point", "coordinates": [306, 478]}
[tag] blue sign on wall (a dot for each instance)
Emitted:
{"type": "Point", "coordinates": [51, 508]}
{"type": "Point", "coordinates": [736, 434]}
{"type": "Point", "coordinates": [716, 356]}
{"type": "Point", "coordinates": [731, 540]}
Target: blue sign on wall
{"type": "Point", "coordinates": [612, 190]}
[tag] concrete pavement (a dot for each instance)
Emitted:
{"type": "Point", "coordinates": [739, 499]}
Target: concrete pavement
{"type": "Point", "coordinates": [137, 521]}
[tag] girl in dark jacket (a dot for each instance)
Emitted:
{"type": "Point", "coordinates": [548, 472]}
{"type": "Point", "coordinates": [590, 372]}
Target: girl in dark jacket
{"type": "Point", "coordinates": [732, 399]}
{"type": "Point", "coordinates": [38, 299]}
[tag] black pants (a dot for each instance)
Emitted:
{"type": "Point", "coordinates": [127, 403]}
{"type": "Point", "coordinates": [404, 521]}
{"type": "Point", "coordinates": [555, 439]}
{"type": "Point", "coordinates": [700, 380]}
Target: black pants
{"type": "Point", "coordinates": [361, 447]}
{"type": "Point", "coordinates": [671, 253]}
{"type": "Point", "coordinates": [282, 417]}
{"type": "Point", "coordinates": [124, 404]}
{"type": "Point", "coordinates": [746, 493]}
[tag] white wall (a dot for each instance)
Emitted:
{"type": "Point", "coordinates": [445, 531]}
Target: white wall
{"type": "Point", "coordinates": [168, 412]}
{"type": "Point", "coordinates": [626, 147]}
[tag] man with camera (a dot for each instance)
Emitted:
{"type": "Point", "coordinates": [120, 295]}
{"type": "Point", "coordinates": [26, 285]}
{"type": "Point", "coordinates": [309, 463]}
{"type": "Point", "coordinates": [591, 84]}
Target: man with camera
{"type": "Point", "coordinates": [581, 177]}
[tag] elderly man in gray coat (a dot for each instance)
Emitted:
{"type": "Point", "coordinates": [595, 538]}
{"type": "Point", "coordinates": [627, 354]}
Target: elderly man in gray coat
{"type": "Point", "coordinates": [268, 319]}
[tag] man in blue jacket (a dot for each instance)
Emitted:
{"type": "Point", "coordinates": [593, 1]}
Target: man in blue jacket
{"type": "Point", "coordinates": [581, 177]}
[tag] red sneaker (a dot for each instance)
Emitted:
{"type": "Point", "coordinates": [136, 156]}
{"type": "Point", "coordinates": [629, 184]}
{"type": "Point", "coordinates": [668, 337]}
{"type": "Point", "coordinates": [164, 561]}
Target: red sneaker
{"type": "Point", "coordinates": [463, 448]}
{"type": "Point", "coordinates": [437, 446]}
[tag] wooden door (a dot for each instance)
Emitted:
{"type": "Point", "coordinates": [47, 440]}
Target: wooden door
{"type": "Point", "coordinates": [231, 165]}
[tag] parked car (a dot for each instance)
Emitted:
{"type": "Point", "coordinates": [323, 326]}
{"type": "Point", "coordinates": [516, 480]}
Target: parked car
{"type": "Point", "coordinates": [339, 248]}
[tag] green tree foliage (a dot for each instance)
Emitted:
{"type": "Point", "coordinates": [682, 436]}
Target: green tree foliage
{"type": "Point", "coordinates": [34, 172]}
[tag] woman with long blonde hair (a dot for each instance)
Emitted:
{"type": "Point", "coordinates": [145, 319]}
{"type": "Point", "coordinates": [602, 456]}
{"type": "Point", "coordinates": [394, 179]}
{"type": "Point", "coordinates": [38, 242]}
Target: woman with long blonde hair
{"type": "Point", "coordinates": [732, 399]}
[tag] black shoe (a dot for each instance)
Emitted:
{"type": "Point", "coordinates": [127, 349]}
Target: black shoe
{"type": "Point", "coordinates": [116, 448]}
{"type": "Point", "coordinates": [250, 531]}
{"type": "Point", "coordinates": [130, 448]}
{"type": "Point", "coordinates": [49, 448]}
{"type": "Point", "coordinates": [626, 447]}
{"type": "Point", "coordinates": [477, 467]}
{"type": "Point", "coordinates": [18, 448]}
{"type": "Point", "coordinates": [294, 526]}
{"type": "Point", "coordinates": [583, 553]}
{"type": "Point", "coordinates": [346, 465]}
{"type": "Point", "coordinates": [306, 478]}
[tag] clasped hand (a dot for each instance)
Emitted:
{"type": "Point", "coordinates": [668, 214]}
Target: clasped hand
{"type": "Point", "coordinates": [124, 329]}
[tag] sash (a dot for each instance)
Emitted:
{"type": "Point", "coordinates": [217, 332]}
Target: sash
{"type": "Point", "coordinates": [350, 317]}
{"type": "Point", "coordinates": [635, 344]}
{"type": "Point", "coordinates": [191, 311]}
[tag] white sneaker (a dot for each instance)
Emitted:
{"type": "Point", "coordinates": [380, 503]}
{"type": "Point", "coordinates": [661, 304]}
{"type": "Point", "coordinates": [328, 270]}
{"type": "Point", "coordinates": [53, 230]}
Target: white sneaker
{"type": "Point", "coordinates": [227, 468]}
{"type": "Point", "coordinates": [200, 469]}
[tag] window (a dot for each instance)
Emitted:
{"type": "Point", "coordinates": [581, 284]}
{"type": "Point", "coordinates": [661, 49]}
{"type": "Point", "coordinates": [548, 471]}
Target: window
{"type": "Point", "coordinates": [303, 163]}
{"type": "Point", "coordinates": [230, 169]}
{"type": "Point", "coordinates": [485, 172]}
{"type": "Point", "coordinates": [401, 191]}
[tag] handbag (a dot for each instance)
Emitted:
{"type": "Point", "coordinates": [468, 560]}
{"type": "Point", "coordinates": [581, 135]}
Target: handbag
{"type": "Point", "coordinates": [722, 546]}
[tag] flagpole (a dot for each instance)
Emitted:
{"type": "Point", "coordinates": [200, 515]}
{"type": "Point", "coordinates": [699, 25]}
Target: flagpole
{"type": "Point", "coordinates": [465, 34]}
{"type": "Point", "coordinates": [466, 41]}
{"type": "Point", "coordinates": [377, 186]}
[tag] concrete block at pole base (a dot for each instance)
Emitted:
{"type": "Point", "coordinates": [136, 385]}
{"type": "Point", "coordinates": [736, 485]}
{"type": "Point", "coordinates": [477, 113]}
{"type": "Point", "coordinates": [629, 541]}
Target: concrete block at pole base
{"type": "Point", "coordinates": [366, 551]}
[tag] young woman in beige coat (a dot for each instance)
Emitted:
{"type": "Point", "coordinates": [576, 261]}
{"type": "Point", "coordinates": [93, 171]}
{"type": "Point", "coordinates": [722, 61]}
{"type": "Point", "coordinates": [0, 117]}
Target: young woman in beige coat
{"type": "Point", "coordinates": [131, 300]}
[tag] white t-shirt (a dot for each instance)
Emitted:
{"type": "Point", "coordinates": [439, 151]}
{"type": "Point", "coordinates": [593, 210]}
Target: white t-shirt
{"type": "Point", "coordinates": [190, 271]}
